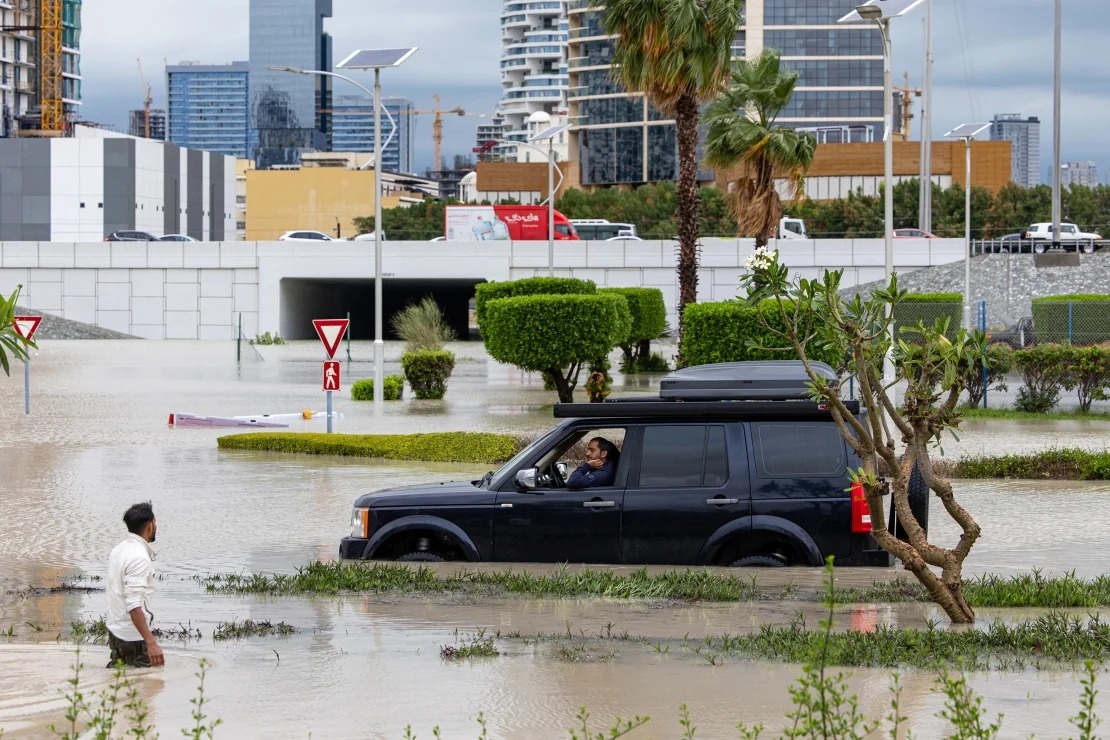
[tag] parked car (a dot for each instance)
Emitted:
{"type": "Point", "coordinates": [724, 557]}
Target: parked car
{"type": "Point", "coordinates": [1015, 243]}
{"type": "Point", "coordinates": [913, 234]}
{"type": "Point", "coordinates": [176, 238]}
{"type": "Point", "coordinates": [1018, 335]}
{"type": "Point", "coordinates": [731, 464]}
{"type": "Point", "coordinates": [1071, 238]}
{"type": "Point", "coordinates": [307, 236]}
{"type": "Point", "coordinates": [131, 236]}
{"type": "Point", "coordinates": [624, 238]}
{"type": "Point", "coordinates": [369, 237]}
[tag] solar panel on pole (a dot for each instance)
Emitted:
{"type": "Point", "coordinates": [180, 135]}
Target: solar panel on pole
{"type": "Point", "coordinates": [375, 58]}
{"type": "Point", "coordinates": [890, 8]}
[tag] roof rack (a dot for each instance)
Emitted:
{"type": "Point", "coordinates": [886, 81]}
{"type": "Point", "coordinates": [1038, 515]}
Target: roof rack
{"type": "Point", "coordinates": [769, 380]}
{"type": "Point", "coordinates": [700, 410]}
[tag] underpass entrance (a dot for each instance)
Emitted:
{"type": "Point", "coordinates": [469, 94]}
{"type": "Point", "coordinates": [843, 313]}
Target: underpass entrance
{"type": "Point", "coordinates": [305, 299]}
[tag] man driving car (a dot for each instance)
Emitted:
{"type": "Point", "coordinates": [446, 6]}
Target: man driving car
{"type": "Point", "coordinates": [600, 468]}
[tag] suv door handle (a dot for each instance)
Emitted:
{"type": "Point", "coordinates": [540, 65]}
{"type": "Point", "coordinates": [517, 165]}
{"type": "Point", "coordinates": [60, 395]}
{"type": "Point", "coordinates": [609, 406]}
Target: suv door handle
{"type": "Point", "coordinates": [719, 501]}
{"type": "Point", "coordinates": [599, 504]}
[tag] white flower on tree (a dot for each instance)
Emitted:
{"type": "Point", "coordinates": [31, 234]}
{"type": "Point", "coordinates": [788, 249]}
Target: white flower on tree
{"type": "Point", "coordinates": [762, 258]}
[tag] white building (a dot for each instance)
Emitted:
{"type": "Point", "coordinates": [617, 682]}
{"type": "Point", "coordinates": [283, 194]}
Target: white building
{"type": "Point", "coordinates": [533, 68]}
{"type": "Point", "coordinates": [1024, 135]}
{"type": "Point", "coordinates": [1079, 173]}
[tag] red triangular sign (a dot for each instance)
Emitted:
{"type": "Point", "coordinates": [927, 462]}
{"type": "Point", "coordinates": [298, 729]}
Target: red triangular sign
{"type": "Point", "coordinates": [331, 333]}
{"type": "Point", "coordinates": [26, 326]}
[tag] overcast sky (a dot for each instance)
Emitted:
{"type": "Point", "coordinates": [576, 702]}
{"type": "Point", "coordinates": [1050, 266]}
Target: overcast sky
{"type": "Point", "coordinates": [992, 56]}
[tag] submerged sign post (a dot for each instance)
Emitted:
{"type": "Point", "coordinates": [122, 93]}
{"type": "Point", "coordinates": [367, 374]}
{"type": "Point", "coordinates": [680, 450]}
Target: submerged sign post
{"type": "Point", "coordinates": [331, 333]}
{"type": "Point", "coordinates": [26, 326]}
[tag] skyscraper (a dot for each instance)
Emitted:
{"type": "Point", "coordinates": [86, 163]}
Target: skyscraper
{"type": "Point", "coordinates": [209, 107]}
{"type": "Point", "coordinates": [622, 139]}
{"type": "Point", "coordinates": [19, 64]}
{"type": "Point", "coordinates": [353, 129]}
{"type": "Point", "coordinates": [137, 125]}
{"type": "Point", "coordinates": [1079, 173]}
{"type": "Point", "coordinates": [287, 111]}
{"type": "Point", "coordinates": [1024, 135]}
{"type": "Point", "coordinates": [533, 63]}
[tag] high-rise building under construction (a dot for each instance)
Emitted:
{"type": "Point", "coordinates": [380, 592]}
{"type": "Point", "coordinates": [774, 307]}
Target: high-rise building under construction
{"type": "Point", "coordinates": [28, 30]}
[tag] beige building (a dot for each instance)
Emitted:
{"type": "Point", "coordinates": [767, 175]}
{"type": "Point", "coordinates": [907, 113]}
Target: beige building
{"type": "Point", "coordinates": [327, 193]}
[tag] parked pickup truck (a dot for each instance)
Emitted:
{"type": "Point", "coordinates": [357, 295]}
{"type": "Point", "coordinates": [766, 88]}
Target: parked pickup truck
{"type": "Point", "coordinates": [1019, 335]}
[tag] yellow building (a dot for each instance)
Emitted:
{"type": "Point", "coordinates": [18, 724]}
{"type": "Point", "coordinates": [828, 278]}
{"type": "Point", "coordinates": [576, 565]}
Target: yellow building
{"type": "Point", "coordinates": [325, 198]}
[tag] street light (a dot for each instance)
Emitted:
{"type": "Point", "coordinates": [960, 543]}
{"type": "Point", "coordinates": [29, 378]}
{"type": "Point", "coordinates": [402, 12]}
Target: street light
{"type": "Point", "coordinates": [881, 11]}
{"type": "Point", "coordinates": [1056, 123]}
{"type": "Point", "coordinates": [967, 132]}
{"type": "Point", "coordinates": [376, 59]}
{"type": "Point", "coordinates": [549, 135]}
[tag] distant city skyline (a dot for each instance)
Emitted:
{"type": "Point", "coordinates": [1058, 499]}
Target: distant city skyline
{"type": "Point", "coordinates": [976, 74]}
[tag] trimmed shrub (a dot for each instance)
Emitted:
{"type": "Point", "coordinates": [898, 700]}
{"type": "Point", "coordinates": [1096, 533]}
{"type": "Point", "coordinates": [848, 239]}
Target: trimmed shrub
{"type": "Point", "coordinates": [1089, 321]}
{"type": "Point", "coordinates": [1000, 360]}
{"type": "Point", "coordinates": [649, 321]}
{"type": "Point", "coordinates": [427, 371]}
{"type": "Point", "coordinates": [1087, 372]}
{"type": "Point", "coordinates": [721, 332]}
{"type": "Point", "coordinates": [486, 292]}
{"type": "Point", "coordinates": [459, 447]}
{"type": "Point", "coordinates": [928, 308]}
{"type": "Point", "coordinates": [393, 388]}
{"type": "Point", "coordinates": [556, 334]}
{"type": "Point", "coordinates": [1044, 374]}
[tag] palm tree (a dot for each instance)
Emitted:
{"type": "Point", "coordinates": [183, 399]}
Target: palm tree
{"type": "Point", "coordinates": [678, 53]}
{"type": "Point", "coordinates": [742, 134]}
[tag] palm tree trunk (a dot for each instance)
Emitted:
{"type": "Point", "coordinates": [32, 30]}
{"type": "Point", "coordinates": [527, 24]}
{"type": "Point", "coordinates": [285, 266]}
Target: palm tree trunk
{"type": "Point", "coordinates": [686, 121]}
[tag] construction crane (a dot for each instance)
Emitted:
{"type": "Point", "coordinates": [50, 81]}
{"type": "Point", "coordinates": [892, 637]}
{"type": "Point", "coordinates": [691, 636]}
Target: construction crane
{"type": "Point", "coordinates": [49, 28]}
{"type": "Point", "coordinates": [148, 100]}
{"type": "Point", "coordinates": [437, 126]}
{"type": "Point", "coordinates": [907, 105]}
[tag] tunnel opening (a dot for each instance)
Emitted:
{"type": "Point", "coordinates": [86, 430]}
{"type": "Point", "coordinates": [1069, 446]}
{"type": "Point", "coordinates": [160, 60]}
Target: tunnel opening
{"type": "Point", "coordinates": [305, 299]}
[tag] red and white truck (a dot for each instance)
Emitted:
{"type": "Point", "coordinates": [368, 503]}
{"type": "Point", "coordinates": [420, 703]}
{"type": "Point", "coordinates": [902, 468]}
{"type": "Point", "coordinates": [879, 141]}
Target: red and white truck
{"type": "Point", "coordinates": [497, 223]}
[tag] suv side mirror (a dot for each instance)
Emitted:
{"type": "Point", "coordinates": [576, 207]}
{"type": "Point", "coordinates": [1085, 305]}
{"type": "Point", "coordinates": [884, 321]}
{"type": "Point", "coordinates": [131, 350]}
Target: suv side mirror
{"type": "Point", "coordinates": [526, 479]}
{"type": "Point", "coordinates": [562, 468]}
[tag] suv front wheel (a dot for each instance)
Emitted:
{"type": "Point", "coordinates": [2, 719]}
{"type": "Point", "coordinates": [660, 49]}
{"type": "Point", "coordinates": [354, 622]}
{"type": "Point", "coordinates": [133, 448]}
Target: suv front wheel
{"type": "Point", "coordinates": [420, 556]}
{"type": "Point", "coordinates": [758, 561]}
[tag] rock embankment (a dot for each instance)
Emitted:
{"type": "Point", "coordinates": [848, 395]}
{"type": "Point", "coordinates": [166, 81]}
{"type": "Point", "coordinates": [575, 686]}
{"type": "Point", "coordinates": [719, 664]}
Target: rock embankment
{"type": "Point", "coordinates": [1008, 283]}
{"type": "Point", "coordinates": [55, 327]}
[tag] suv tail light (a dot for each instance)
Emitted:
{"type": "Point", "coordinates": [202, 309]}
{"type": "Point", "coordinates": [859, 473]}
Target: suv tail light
{"type": "Point", "coordinates": [861, 514]}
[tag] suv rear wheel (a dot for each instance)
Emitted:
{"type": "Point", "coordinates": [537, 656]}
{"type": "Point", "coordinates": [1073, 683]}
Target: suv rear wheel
{"type": "Point", "coordinates": [758, 561]}
{"type": "Point", "coordinates": [420, 557]}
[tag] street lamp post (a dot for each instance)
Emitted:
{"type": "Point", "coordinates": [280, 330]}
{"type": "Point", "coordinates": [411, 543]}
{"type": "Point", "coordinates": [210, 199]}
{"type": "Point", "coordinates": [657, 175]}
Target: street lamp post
{"type": "Point", "coordinates": [374, 59]}
{"type": "Point", "coordinates": [881, 11]}
{"type": "Point", "coordinates": [967, 132]}
{"type": "Point", "coordinates": [549, 135]}
{"type": "Point", "coordinates": [1056, 124]}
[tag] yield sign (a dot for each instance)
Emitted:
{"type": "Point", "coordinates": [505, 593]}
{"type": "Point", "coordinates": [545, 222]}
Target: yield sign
{"type": "Point", "coordinates": [331, 332]}
{"type": "Point", "coordinates": [26, 326]}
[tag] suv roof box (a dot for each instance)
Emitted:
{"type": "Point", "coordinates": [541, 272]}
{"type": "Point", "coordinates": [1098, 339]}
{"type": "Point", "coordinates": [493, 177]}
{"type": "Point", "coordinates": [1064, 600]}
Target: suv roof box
{"type": "Point", "coordinates": [772, 380]}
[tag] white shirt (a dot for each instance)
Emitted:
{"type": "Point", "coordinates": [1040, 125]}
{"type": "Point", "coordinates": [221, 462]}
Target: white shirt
{"type": "Point", "coordinates": [130, 585]}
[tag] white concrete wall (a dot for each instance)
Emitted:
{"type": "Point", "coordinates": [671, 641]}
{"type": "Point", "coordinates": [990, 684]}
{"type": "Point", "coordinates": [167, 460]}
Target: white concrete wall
{"type": "Point", "coordinates": [76, 177]}
{"type": "Point", "coordinates": [150, 186]}
{"type": "Point", "coordinates": [166, 290]}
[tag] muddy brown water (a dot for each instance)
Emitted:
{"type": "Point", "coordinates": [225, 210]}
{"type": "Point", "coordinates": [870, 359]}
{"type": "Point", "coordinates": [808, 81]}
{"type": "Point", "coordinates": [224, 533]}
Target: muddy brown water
{"type": "Point", "coordinates": [96, 441]}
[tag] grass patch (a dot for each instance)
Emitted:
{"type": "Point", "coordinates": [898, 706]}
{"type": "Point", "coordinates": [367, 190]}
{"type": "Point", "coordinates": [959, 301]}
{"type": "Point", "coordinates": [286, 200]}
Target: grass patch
{"type": "Point", "coordinates": [1049, 639]}
{"type": "Point", "coordinates": [235, 630]}
{"type": "Point", "coordinates": [470, 646]}
{"type": "Point", "coordinates": [1015, 415]}
{"type": "Point", "coordinates": [1051, 464]}
{"type": "Point", "coordinates": [1029, 590]}
{"type": "Point", "coordinates": [336, 577]}
{"type": "Point", "coordinates": [460, 447]}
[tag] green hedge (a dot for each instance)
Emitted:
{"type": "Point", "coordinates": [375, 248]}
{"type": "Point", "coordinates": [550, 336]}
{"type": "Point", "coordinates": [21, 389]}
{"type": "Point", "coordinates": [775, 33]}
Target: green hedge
{"type": "Point", "coordinates": [1053, 464]}
{"type": "Point", "coordinates": [649, 313]}
{"type": "Point", "coordinates": [486, 292]}
{"type": "Point", "coordinates": [720, 332]}
{"type": "Point", "coordinates": [545, 332]}
{"type": "Point", "coordinates": [927, 308]}
{"type": "Point", "coordinates": [1090, 319]}
{"type": "Point", "coordinates": [393, 387]}
{"type": "Point", "coordinates": [460, 447]}
{"type": "Point", "coordinates": [427, 371]}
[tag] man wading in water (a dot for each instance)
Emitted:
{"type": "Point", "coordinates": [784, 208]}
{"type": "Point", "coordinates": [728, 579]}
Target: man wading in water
{"type": "Point", "coordinates": [130, 588]}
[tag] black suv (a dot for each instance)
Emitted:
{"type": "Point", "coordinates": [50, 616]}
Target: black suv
{"type": "Point", "coordinates": [131, 236]}
{"type": "Point", "coordinates": [731, 464]}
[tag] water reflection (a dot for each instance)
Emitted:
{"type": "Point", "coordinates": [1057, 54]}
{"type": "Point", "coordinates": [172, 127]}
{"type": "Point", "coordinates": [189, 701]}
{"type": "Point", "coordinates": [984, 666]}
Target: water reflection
{"type": "Point", "coordinates": [97, 441]}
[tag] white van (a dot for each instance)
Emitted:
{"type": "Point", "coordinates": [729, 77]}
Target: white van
{"type": "Point", "coordinates": [601, 229]}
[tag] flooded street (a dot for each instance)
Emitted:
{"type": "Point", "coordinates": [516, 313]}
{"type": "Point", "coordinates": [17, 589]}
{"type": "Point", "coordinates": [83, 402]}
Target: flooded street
{"type": "Point", "coordinates": [97, 441]}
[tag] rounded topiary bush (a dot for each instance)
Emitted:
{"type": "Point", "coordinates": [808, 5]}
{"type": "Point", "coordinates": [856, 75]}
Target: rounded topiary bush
{"type": "Point", "coordinates": [427, 371]}
{"type": "Point", "coordinates": [392, 389]}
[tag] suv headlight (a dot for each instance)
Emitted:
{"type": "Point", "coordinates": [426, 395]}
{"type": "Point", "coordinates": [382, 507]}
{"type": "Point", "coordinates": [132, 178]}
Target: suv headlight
{"type": "Point", "coordinates": [360, 522]}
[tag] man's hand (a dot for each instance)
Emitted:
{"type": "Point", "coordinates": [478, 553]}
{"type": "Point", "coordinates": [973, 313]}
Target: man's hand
{"type": "Point", "coordinates": [154, 652]}
{"type": "Point", "coordinates": [597, 463]}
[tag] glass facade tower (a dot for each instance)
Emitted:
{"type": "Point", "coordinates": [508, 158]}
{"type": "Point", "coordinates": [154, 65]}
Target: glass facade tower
{"type": "Point", "coordinates": [353, 129]}
{"type": "Point", "coordinates": [621, 139]}
{"type": "Point", "coordinates": [288, 112]}
{"type": "Point", "coordinates": [208, 107]}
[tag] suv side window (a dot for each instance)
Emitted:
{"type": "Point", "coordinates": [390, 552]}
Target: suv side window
{"type": "Point", "coordinates": [684, 456]}
{"type": "Point", "coordinates": [798, 450]}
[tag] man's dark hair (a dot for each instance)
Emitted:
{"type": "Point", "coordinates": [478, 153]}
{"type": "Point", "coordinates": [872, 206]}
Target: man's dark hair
{"type": "Point", "coordinates": [138, 516]}
{"type": "Point", "coordinates": [611, 452]}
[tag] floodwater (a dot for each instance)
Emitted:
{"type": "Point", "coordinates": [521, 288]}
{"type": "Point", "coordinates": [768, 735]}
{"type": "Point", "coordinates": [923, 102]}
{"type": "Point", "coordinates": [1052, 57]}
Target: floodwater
{"type": "Point", "coordinates": [97, 441]}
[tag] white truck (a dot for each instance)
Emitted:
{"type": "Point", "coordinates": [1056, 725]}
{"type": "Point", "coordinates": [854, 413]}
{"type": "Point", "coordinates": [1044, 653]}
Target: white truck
{"type": "Point", "coordinates": [791, 228]}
